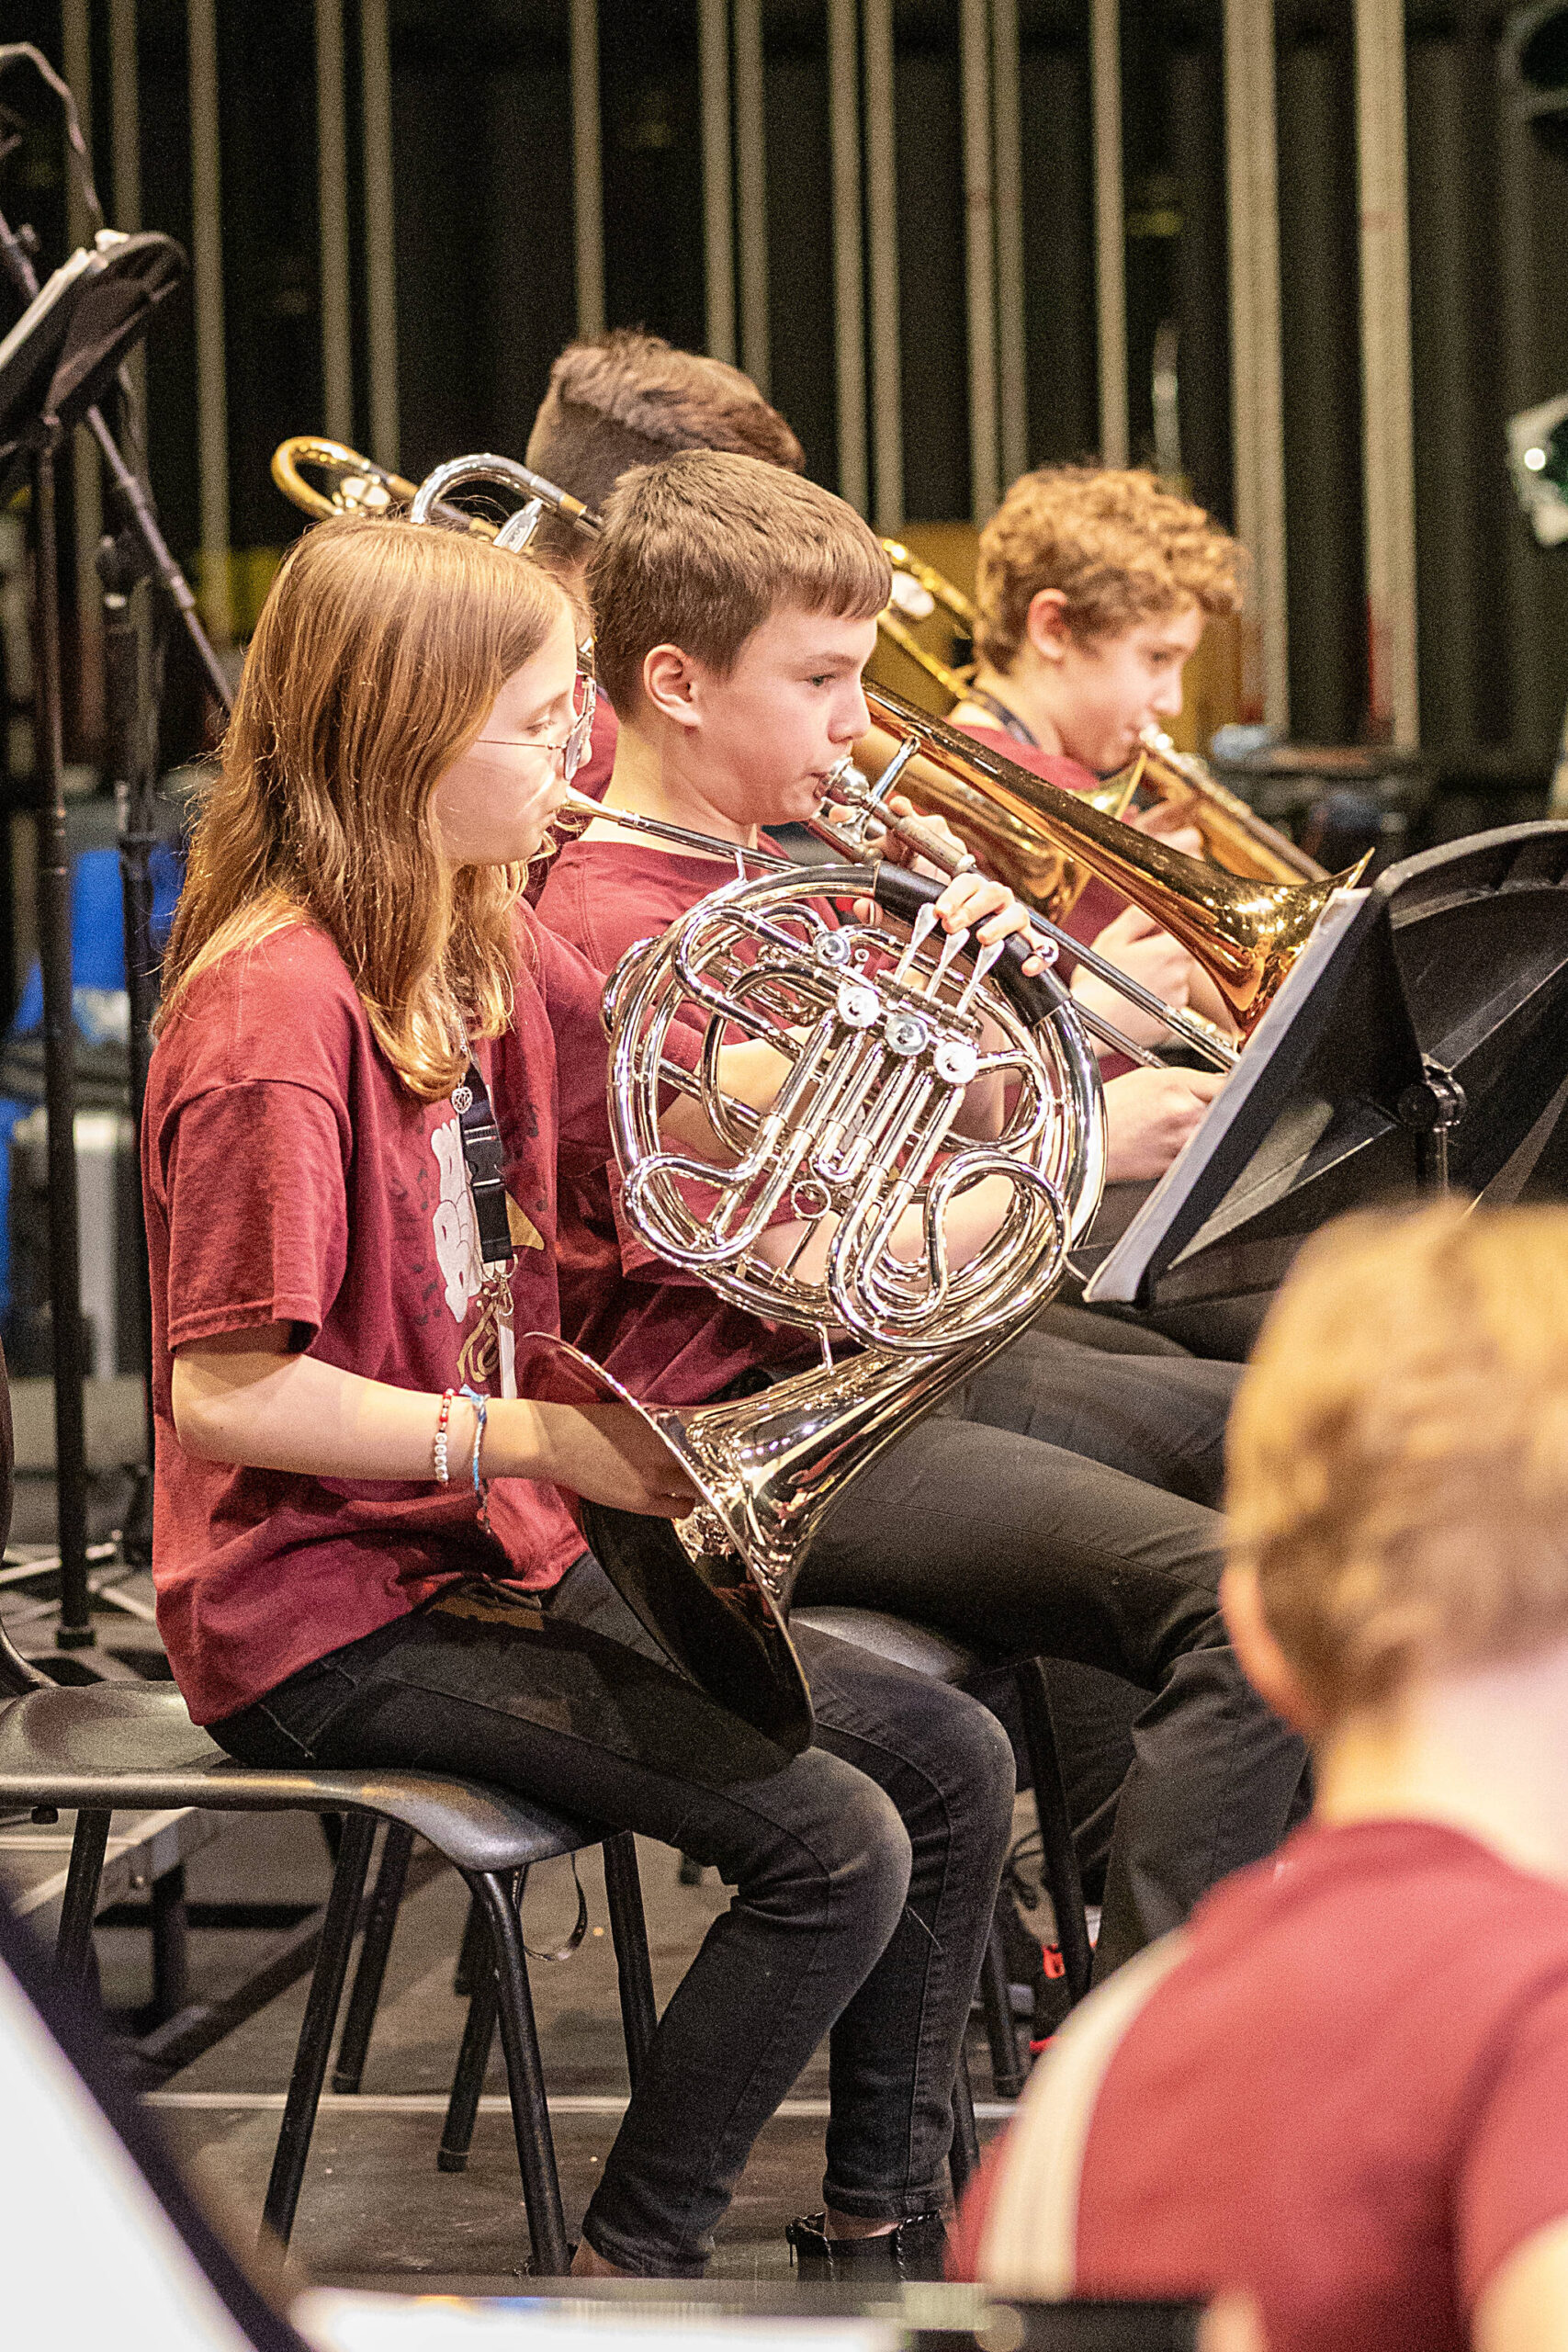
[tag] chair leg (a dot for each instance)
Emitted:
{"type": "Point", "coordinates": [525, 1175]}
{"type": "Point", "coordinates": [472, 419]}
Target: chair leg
{"type": "Point", "coordinates": [473, 2062]}
{"type": "Point", "coordinates": [473, 1953]}
{"type": "Point", "coordinates": [365, 1995]}
{"type": "Point", "coordinates": [73, 1944]}
{"type": "Point", "coordinates": [1060, 1856]}
{"type": "Point", "coordinates": [964, 2157]}
{"type": "Point", "coordinates": [310, 2072]}
{"type": "Point", "coordinates": [628, 1928]}
{"type": "Point", "coordinates": [996, 2000]}
{"type": "Point", "coordinates": [171, 1948]}
{"type": "Point", "coordinates": [526, 2080]}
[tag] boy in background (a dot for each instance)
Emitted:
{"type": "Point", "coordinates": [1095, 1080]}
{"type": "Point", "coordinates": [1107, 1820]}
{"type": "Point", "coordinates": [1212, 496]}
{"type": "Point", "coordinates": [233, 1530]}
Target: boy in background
{"type": "Point", "coordinates": [1093, 588]}
{"type": "Point", "coordinates": [626, 399]}
{"type": "Point", "coordinates": [1301, 2094]}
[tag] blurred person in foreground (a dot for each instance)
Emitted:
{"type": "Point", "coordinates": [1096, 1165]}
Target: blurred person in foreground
{"type": "Point", "coordinates": [1343, 2086]}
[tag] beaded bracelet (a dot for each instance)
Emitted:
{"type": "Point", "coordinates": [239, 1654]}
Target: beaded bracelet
{"type": "Point", "coordinates": [443, 1473]}
{"type": "Point", "coordinates": [481, 1485]}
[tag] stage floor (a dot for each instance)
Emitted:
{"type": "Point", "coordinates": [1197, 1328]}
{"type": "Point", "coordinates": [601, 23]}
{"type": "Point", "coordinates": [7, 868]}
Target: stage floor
{"type": "Point", "coordinates": [374, 2211]}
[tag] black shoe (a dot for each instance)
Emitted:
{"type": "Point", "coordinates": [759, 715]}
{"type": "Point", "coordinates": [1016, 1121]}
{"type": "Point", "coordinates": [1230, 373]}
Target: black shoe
{"type": "Point", "coordinates": [915, 2249]}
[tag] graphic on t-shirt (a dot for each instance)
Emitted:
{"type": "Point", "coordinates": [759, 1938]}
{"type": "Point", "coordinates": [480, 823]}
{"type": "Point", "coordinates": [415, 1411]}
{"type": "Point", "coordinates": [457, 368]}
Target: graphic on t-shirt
{"type": "Point", "coordinates": [456, 1234]}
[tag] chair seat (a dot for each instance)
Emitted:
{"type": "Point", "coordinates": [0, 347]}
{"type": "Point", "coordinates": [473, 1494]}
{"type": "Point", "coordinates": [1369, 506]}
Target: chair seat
{"type": "Point", "coordinates": [920, 1648]}
{"type": "Point", "coordinates": [122, 1745]}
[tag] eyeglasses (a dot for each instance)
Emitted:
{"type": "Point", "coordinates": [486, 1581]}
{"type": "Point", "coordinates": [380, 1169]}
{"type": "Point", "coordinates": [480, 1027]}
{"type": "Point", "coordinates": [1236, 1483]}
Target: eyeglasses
{"type": "Point", "coordinates": [573, 749]}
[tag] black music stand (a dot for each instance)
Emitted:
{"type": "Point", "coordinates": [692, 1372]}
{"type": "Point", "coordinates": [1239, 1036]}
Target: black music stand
{"type": "Point", "coordinates": [1421, 1043]}
{"type": "Point", "coordinates": [56, 362]}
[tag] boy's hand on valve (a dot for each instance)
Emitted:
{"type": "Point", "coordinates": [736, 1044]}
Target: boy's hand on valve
{"type": "Point", "coordinates": [975, 903]}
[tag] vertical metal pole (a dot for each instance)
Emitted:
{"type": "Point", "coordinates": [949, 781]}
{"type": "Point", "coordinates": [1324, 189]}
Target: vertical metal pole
{"type": "Point", "coordinates": [849, 277]}
{"type": "Point", "coordinates": [1387, 425]}
{"type": "Point", "coordinates": [76, 1627]}
{"type": "Point", "coordinates": [979, 252]}
{"type": "Point", "coordinates": [206, 269]}
{"type": "Point", "coordinates": [587, 175]}
{"type": "Point", "coordinates": [882, 245]}
{"type": "Point", "coordinates": [752, 190]}
{"type": "Point", "coordinates": [332, 204]}
{"type": "Point", "coordinates": [380, 233]}
{"type": "Point", "coordinates": [1256, 388]}
{"type": "Point", "coordinates": [1109, 229]}
{"type": "Point", "coordinates": [86, 481]}
{"type": "Point", "coordinates": [1012, 370]}
{"type": "Point", "coordinates": [125, 94]}
{"type": "Point", "coordinates": [718, 203]}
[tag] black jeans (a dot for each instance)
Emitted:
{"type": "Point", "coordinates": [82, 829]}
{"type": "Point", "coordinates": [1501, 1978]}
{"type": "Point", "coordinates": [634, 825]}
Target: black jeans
{"type": "Point", "coordinates": [865, 1873]}
{"type": "Point", "coordinates": [1061, 1502]}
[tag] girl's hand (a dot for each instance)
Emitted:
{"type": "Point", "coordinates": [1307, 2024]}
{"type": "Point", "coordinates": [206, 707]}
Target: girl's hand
{"type": "Point", "coordinates": [607, 1454]}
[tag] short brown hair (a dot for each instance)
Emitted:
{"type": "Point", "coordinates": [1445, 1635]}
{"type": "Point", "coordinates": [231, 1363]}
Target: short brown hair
{"type": "Point", "coordinates": [627, 399]}
{"type": "Point", "coordinates": [699, 550]}
{"type": "Point", "coordinates": [1398, 1453]}
{"type": "Point", "coordinates": [1119, 546]}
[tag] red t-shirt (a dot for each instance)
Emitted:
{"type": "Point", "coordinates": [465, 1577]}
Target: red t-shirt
{"type": "Point", "coordinates": [289, 1177]}
{"type": "Point", "coordinates": [663, 1332]}
{"type": "Point", "coordinates": [1349, 2096]}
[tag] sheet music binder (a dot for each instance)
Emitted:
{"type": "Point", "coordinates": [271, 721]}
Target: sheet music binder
{"type": "Point", "coordinates": [1422, 1038]}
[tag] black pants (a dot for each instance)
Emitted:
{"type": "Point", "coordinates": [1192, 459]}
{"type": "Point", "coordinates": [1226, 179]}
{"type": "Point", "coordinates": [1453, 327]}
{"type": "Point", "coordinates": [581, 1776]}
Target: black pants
{"type": "Point", "coordinates": [865, 1874]}
{"type": "Point", "coordinates": [1062, 1502]}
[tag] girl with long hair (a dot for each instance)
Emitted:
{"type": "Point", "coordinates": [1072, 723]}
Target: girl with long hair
{"type": "Point", "coordinates": [362, 1556]}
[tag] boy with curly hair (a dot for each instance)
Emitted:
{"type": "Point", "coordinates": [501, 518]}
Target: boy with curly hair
{"type": "Point", "coordinates": [1093, 589]}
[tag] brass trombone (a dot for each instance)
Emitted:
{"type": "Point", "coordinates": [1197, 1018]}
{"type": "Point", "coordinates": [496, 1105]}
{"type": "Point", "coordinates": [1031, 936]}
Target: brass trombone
{"type": "Point", "coordinates": [357, 485]}
{"type": "Point", "coordinates": [1234, 835]}
{"type": "Point", "coordinates": [1247, 934]}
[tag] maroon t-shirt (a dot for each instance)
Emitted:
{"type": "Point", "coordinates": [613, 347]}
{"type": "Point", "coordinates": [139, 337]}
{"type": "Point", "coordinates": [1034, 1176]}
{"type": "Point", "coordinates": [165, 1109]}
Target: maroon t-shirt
{"type": "Point", "coordinates": [1349, 2096]}
{"type": "Point", "coordinates": [289, 1177]}
{"type": "Point", "coordinates": [663, 1332]}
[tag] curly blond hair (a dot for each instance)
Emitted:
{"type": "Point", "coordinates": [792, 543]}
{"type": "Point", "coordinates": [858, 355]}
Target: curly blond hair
{"type": "Point", "coordinates": [1398, 1451]}
{"type": "Point", "coordinates": [1119, 545]}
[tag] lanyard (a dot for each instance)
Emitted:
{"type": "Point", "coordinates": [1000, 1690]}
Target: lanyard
{"type": "Point", "coordinates": [1008, 720]}
{"type": "Point", "coordinates": [485, 1160]}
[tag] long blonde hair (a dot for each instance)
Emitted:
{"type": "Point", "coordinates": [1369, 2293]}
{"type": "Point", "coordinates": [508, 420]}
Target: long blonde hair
{"type": "Point", "coordinates": [377, 655]}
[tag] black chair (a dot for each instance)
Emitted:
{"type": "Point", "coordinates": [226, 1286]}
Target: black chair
{"type": "Point", "coordinates": [116, 1746]}
{"type": "Point", "coordinates": [943, 1659]}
